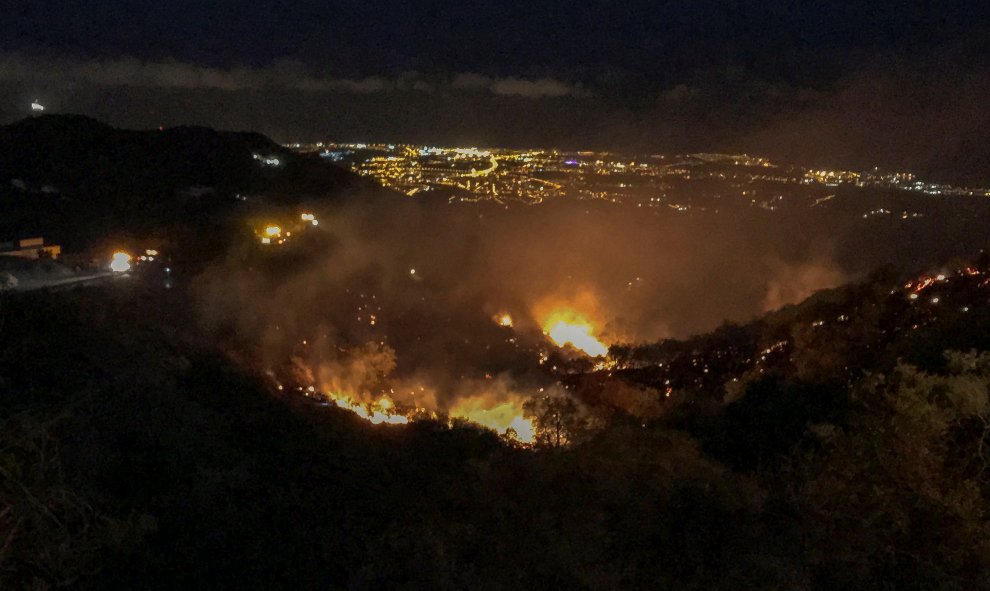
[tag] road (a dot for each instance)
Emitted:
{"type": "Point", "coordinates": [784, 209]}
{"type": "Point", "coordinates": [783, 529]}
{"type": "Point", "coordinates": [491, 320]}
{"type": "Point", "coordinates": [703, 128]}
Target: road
{"type": "Point", "coordinates": [61, 282]}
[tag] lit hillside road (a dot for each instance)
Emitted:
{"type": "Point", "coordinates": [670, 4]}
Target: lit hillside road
{"type": "Point", "coordinates": [26, 285]}
{"type": "Point", "coordinates": [486, 171]}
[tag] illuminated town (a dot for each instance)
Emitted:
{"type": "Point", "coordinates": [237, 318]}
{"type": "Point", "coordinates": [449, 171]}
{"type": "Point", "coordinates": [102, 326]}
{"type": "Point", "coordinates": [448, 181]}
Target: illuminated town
{"type": "Point", "coordinates": [694, 182]}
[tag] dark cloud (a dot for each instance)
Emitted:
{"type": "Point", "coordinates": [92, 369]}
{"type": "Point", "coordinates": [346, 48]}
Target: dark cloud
{"type": "Point", "coordinates": [288, 76]}
{"type": "Point", "coordinates": [927, 114]}
{"type": "Point", "coordinates": [512, 86]}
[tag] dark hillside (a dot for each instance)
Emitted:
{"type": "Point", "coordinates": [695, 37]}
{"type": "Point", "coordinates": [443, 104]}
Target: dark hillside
{"type": "Point", "coordinates": [77, 180]}
{"type": "Point", "coordinates": [135, 455]}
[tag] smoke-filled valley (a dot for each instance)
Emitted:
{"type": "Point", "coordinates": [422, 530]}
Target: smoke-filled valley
{"type": "Point", "coordinates": [436, 303]}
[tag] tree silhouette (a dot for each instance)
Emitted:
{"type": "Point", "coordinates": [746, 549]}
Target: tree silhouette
{"type": "Point", "coordinates": [559, 419]}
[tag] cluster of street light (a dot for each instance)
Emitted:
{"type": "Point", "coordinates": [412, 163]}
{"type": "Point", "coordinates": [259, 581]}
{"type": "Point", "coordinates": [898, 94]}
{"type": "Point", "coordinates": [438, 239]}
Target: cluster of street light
{"type": "Point", "coordinates": [533, 176]}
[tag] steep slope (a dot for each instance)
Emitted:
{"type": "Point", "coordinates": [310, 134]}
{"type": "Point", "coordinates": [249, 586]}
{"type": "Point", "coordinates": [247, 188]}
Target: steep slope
{"type": "Point", "coordinates": [835, 334]}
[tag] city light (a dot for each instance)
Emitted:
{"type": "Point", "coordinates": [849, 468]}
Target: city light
{"type": "Point", "coordinates": [269, 161]}
{"type": "Point", "coordinates": [533, 176]}
{"type": "Point", "coordinates": [120, 262]}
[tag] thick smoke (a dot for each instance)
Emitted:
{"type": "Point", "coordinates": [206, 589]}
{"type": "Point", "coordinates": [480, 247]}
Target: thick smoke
{"type": "Point", "coordinates": [399, 296]}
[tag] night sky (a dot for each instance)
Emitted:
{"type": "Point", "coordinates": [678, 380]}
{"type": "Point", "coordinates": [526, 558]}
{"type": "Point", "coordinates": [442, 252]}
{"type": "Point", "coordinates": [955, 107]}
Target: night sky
{"type": "Point", "coordinates": [895, 84]}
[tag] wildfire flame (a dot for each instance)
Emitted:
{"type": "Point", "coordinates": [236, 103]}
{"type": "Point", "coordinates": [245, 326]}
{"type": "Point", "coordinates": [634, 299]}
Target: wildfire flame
{"type": "Point", "coordinates": [272, 231]}
{"type": "Point", "coordinates": [501, 417]}
{"type": "Point", "coordinates": [568, 327]}
{"type": "Point", "coordinates": [498, 415]}
{"type": "Point", "coordinates": [354, 382]}
{"type": "Point", "coordinates": [380, 411]}
{"type": "Point", "coordinates": [503, 319]}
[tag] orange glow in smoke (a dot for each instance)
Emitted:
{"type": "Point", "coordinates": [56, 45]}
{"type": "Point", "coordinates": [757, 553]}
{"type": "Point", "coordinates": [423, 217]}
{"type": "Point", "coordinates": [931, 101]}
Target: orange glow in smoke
{"type": "Point", "coordinates": [568, 327]}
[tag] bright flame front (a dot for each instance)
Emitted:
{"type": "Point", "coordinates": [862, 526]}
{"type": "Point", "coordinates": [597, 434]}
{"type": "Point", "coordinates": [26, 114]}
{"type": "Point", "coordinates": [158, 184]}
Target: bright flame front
{"type": "Point", "coordinates": [498, 413]}
{"type": "Point", "coordinates": [500, 416]}
{"type": "Point", "coordinates": [566, 327]}
{"type": "Point", "coordinates": [377, 412]}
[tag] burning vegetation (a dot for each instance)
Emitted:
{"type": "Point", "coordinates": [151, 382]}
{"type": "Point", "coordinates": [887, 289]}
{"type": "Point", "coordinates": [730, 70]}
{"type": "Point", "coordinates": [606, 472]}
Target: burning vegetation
{"type": "Point", "coordinates": [402, 314]}
{"type": "Point", "coordinates": [651, 437]}
{"type": "Point", "coordinates": [566, 327]}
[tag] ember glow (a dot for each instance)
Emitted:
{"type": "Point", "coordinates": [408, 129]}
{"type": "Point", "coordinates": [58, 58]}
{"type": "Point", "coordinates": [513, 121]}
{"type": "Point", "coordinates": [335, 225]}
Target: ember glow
{"type": "Point", "coordinates": [567, 327]}
{"type": "Point", "coordinates": [346, 384]}
{"type": "Point", "coordinates": [504, 416]}
{"type": "Point", "coordinates": [120, 262]}
{"type": "Point", "coordinates": [503, 319]}
{"type": "Point", "coordinates": [380, 411]}
{"type": "Point", "coordinates": [500, 416]}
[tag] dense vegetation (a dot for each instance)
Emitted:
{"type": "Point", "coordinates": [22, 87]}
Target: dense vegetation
{"type": "Point", "coordinates": [134, 455]}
